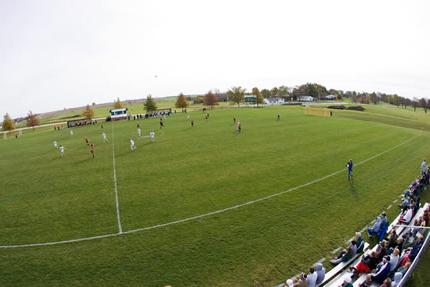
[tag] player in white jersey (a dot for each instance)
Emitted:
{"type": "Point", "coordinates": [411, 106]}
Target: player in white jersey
{"type": "Point", "coordinates": [104, 137]}
{"type": "Point", "coordinates": [132, 144]}
{"type": "Point", "coordinates": [152, 135]}
{"type": "Point", "coordinates": [61, 149]}
{"type": "Point", "coordinates": [71, 132]}
{"type": "Point", "coordinates": [56, 144]}
{"type": "Point", "coordinates": [139, 132]}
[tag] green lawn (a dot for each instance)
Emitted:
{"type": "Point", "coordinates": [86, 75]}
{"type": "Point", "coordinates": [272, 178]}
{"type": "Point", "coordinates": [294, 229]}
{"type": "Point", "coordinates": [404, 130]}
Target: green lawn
{"type": "Point", "coordinates": [192, 171]}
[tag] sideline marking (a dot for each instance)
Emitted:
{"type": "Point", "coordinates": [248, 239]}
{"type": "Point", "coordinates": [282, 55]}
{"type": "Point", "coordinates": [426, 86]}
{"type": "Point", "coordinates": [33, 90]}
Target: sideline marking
{"type": "Point", "coordinates": [196, 216]}
{"type": "Point", "coordinates": [115, 185]}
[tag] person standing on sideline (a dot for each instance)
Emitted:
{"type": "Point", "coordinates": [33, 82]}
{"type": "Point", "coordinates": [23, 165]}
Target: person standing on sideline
{"type": "Point", "coordinates": [132, 144]}
{"type": "Point", "coordinates": [423, 167]}
{"type": "Point", "coordinates": [104, 137]}
{"type": "Point", "coordinates": [61, 149]}
{"type": "Point", "coordinates": [349, 166]}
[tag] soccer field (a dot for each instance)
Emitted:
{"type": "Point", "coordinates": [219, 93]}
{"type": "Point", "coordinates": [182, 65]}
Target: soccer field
{"type": "Point", "coordinates": [202, 205]}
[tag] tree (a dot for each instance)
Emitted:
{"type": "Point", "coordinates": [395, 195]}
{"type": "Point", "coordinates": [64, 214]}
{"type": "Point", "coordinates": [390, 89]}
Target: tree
{"type": "Point", "coordinates": [32, 119]}
{"type": "Point", "coordinates": [181, 102]}
{"type": "Point", "coordinates": [423, 104]}
{"type": "Point", "coordinates": [258, 97]}
{"type": "Point", "coordinates": [8, 123]}
{"type": "Point", "coordinates": [150, 105]}
{"type": "Point", "coordinates": [265, 93]}
{"type": "Point", "coordinates": [118, 104]}
{"type": "Point", "coordinates": [274, 92]}
{"type": "Point", "coordinates": [210, 99]}
{"type": "Point", "coordinates": [88, 112]}
{"type": "Point", "coordinates": [236, 95]}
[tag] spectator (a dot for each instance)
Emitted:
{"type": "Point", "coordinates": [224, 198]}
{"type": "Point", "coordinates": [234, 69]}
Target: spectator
{"type": "Point", "coordinates": [368, 281]}
{"type": "Point", "coordinates": [320, 272]}
{"type": "Point", "coordinates": [346, 255]}
{"type": "Point", "coordinates": [392, 238]}
{"type": "Point", "coordinates": [386, 283]}
{"type": "Point", "coordinates": [394, 259]}
{"type": "Point", "coordinates": [380, 223]}
{"type": "Point", "coordinates": [396, 279]}
{"type": "Point", "coordinates": [423, 167]}
{"type": "Point", "coordinates": [416, 247]}
{"type": "Point", "coordinates": [359, 242]}
{"type": "Point", "coordinates": [367, 263]}
{"type": "Point", "coordinates": [347, 282]}
{"type": "Point", "coordinates": [402, 269]}
{"type": "Point", "coordinates": [406, 217]}
{"type": "Point", "coordinates": [382, 271]}
{"type": "Point", "coordinates": [289, 283]}
{"type": "Point", "coordinates": [312, 278]}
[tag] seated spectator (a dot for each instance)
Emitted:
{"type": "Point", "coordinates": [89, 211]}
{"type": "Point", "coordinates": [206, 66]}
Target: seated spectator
{"type": "Point", "coordinates": [367, 263]}
{"type": "Point", "coordinates": [396, 279]}
{"type": "Point", "coordinates": [368, 281]}
{"type": "Point", "coordinates": [416, 247]}
{"type": "Point", "coordinates": [289, 283]}
{"type": "Point", "coordinates": [392, 238]}
{"type": "Point", "coordinates": [320, 272]}
{"type": "Point", "coordinates": [382, 271]}
{"type": "Point", "coordinates": [381, 250]}
{"type": "Point", "coordinates": [380, 223]}
{"type": "Point", "coordinates": [311, 278]}
{"type": "Point", "coordinates": [301, 282]}
{"type": "Point", "coordinates": [402, 269]}
{"type": "Point", "coordinates": [359, 242]}
{"type": "Point", "coordinates": [399, 243]}
{"type": "Point", "coordinates": [347, 282]}
{"type": "Point", "coordinates": [345, 255]}
{"type": "Point", "coordinates": [386, 283]}
{"type": "Point", "coordinates": [394, 259]}
{"type": "Point", "coordinates": [406, 217]}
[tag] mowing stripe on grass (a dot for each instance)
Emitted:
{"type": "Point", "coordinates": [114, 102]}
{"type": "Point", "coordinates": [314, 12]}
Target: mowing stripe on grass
{"type": "Point", "coordinates": [115, 185]}
{"type": "Point", "coordinates": [196, 216]}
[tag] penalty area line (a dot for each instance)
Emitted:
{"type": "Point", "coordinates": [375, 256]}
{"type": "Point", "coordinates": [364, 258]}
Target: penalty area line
{"type": "Point", "coordinates": [196, 216]}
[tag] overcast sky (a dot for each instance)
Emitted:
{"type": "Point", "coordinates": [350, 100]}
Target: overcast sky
{"type": "Point", "coordinates": [56, 54]}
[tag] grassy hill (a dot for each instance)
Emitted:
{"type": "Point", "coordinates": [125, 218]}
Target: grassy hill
{"type": "Point", "coordinates": [204, 170]}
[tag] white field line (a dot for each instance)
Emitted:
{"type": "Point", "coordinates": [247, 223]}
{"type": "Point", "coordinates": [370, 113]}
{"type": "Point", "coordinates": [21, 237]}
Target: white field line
{"type": "Point", "coordinates": [204, 214]}
{"type": "Point", "coordinates": [115, 185]}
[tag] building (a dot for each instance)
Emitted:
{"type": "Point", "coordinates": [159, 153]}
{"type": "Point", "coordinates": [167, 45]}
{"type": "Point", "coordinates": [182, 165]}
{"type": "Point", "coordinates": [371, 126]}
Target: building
{"type": "Point", "coordinates": [305, 99]}
{"type": "Point", "coordinates": [274, 101]}
{"type": "Point", "coordinates": [250, 99]}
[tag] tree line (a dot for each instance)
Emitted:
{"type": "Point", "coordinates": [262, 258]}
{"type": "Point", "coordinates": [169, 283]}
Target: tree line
{"type": "Point", "coordinates": [236, 95]}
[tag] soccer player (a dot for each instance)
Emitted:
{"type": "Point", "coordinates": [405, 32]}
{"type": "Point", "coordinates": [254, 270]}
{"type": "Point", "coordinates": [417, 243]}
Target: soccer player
{"type": "Point", "coordinates": [349, 166]}
{"type": "Point", "coordinates": [56, 144]}
{"type": "Point", "coordinates": [152, 136]}
{"type": "Point", "coordinates": [104, 137]}
{"type": "Point", "coordinates": [92, 149]}
{"type": "Point", "coordinates": [239, 127]}
{"type": "Point", "coordinates": [278, 117]}
{"type": "Point", "coordinates": [161, 123]}
{"type": "Point", "coordinates": [139, 132]}
{"type": "Point", "coordinates": [71, 132]}
{"type": "Point", "coordinates": [132, 144]}
{"type": "Point", "coordinates": [192, 123]}
{"type": "Point", "coordinates": [87, 141]}
{"type": "Point", "coordinates": [61, 149]}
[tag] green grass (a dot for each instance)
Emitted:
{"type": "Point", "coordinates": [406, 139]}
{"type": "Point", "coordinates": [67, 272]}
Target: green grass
{"type": "Point", "coordinates": [191, 171]}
